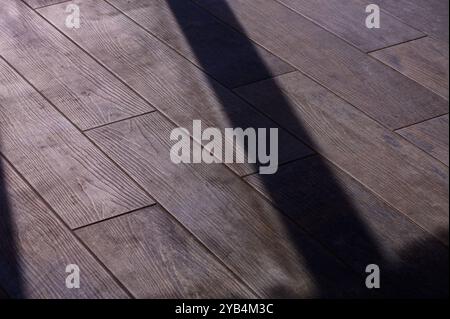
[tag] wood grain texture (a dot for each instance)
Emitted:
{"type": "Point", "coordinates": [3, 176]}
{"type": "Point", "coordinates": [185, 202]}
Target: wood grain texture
{"type": "Point", "coordinates": [424, 60]}
{"type": "Point", "coordinates": [172, 84]}
{"type": "Point", "coordinates": [78, 86]}
{"type": "Point", "coordinates": [154, 257]}
{"type": "Point", "coordinates": [384, 94]}
{"type": "Point", "coordinates": [429, 16]}
{"type": "Point", "coordinates": [35, 249]}
{"type": "Point", "coordinates": [252, 238]}
{"type": "Point", "coordinates": [359, 227]}
{"type": "Point", "coordinates": [67, 170]}
{"type": "Point", "coordinates": [347, 19]}
{"type": "Point", "coordinates": [392, 168]}
{"type": "Point", "coordinates": [222, 52]}
{"type": "Point", "coordinates": [430, 136]}
{"type": "Point", "coordinates": [41, 3]}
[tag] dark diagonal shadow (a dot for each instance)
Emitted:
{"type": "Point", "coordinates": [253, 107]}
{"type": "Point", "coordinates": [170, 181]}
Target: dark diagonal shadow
{"type": "Point", "coordinates": [10, 275]}
{"type": "Point", "coordinates": [10, 272]}
{"type": "Point", "coordinates": [320, 204]}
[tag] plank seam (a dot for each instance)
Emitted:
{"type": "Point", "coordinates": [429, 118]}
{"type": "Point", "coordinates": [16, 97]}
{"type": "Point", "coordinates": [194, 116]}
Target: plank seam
{"type": "Point", "coordinates": [284, 164]}
{"type": "Point", "coordinates": [231, 88]}
{"type": "Point", "coordinates": [420, 122]}
{"type": "Point", "coordinates": [113, 217]}
{"type": "Point", "coordinates": [394, 45]}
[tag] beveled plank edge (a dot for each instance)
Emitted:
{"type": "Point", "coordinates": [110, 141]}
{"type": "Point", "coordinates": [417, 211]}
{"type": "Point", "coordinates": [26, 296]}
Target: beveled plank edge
{"type": "Point", "coordinates": [420, 122]}
{"type": "Point", "coordinates": [394, 45]}
{"type": "Point", "coordinates": [401, 135]}
{"type": "Point", "coordinates": [370, 189]}
{"type": "Point", "coordinates": [74, 229]}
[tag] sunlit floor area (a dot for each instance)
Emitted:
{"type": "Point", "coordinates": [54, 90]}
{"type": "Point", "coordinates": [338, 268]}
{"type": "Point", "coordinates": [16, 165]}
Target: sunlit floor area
{"type": "Point", "coordinates": [224, 149]}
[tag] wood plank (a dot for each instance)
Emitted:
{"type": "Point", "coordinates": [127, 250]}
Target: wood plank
{"type": "Point", "coordinates": [35, 249]}
{"type": "Point", "coordinates": [430, 16]}
{"type": "Point", "coordinates": [68, 171]}
{"type": "Point", "coordinates": [347, 19]}
{"type": "Point", "coordinates": [231, 219]}
{"type": "Point", "coordinates": [78, 86]}
{"type": "Point", "coordinates": [154, 257]}
{"type": "Point", "coordinates": [219, 50]}
{"type": "Point", "coordinates": [430, 136]}
{"type": "Point", "coordinates": [384, 94]}
{"type": "Point", "coordinates": [424, 60]}
{"type": "Point", "coordinates": [358, 227]}
{"type": "Point", "coordinates": [172, 84]}
{"type": "Point", "coordinates": [41, 3]}
{"type": "Point", "coordinates": [392, 168]}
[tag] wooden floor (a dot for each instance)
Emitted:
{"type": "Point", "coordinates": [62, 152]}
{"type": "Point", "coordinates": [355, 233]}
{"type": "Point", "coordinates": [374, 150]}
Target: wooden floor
{"type": "Point", "coordinates": [86, 177]}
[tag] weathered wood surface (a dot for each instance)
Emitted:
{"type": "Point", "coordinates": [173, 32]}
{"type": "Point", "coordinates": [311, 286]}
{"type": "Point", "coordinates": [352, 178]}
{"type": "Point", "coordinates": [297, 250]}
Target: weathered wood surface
{"type": "Point", "coordinates": [258, 244]}
{"type": "Point", "coordinates": [222, 52]}
{"type": "Point", "coordinates": [347, 19]}
{"type": "Point", "coordinates": [78, 86]}
{"type": "Point", "coordinates": [172, 84]}
{"type": "Point", "coordinates": [358, 226]}
{"type": "Point", "coordinates": [35, 249]}
{"type": "Point", "coordinates": [388, 165]}
{"type": "Point", "coordinates": [154, 257]}
{"type": "Point", "coordinates": [387, 96]}
{"type": "Point", "coordinates": [85, 145]}
{"type": "Point", "coordinates": [431, 136]}
{"type": "Point", "coordinates": [424, 60]}
{"type": "Point", "coordinates": [42, 3]}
